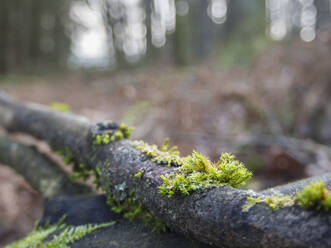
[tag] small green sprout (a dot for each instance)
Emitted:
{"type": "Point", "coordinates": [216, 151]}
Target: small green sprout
{"type": "Point", "coordinates": [139, 174]}
{"type": "Point", "coordinates": [98, 170]}
{"type": "Point", "coordinates": [315, 196]}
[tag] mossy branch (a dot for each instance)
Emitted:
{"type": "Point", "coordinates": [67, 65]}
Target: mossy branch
{"type": "Point", "coordinates": [212, 215]}
{"type": "Point", "coordinates": [41, 173]}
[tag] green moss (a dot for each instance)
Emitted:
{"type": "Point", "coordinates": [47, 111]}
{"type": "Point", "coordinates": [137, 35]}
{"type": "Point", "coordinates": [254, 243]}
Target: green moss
{"type": "Point", "coordinates": [118, 135]}
{"type": "Point", "coordinates": [68, 155]}
{"type": "Point", "coordinates": [198, 172]}
{"type": "Point", "coordinates": [132, 209]}
{"type": "Point", "coordinates": [123, 132]}
{"type": "Point", "coordinates": [60, 106]}
{"type": "Point", "coordinates": [170, 157]}
{"type": "Point", "coordinates": [126, 131]}
{"type": "Point", "coordinates": [279, 201]}
{"type": "Point", "coordinates": [139, 174]}
{"type": "Point", "coordinates": [107, 164]}
{"type": "Point", "coordinates": [274, 202]}
{"type": "Point", "coordinates": [195, 171]}
{"type": "Point", "coordinates": [103, 139]}
{"type": "Point", "coordinates": [81, 171]}
{"type": "Point", "coordinates": [250, 202]}
{"type": "Point", "coordinates": [66, 235]}
{"type": "Point", "coordinates": [315, 196]}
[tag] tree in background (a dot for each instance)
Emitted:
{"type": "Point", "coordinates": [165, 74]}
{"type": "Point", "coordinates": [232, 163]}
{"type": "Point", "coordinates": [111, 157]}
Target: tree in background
{"type": "Point", "coordinates": [33, 34]}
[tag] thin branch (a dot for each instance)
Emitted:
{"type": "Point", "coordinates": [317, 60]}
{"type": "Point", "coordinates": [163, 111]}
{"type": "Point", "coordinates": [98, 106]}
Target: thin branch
{"type": "Point", "coordinates": [41, 173]}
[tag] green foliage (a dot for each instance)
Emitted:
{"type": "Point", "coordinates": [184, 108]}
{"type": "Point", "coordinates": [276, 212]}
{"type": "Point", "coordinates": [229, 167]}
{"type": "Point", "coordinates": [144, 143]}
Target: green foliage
{"type": "Point", "coordinates": [198, 172]}
{"type": "Point", "coordinates": [123, 132]}
{"type": "Point", "coordinates": [60, 106]}
{"type": "Point", "coordinates": [170, 157]}
{"type": "Point", "coordinates": [38, 235]}
{"type": "Point", "coordinates": [315, 196]}
{"type": "Point", "coordinates": [67, 235]}
{"type": "Point", "coordinates": [132, 209]}
{"type": "Point", "coordinates": [72, 234]}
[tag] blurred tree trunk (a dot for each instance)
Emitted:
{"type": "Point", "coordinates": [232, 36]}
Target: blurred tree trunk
{"type": "Point", "coordinates": [35, 31]}
{"type": "Point", "coordinates": [4, 21]}
{"type": "Point", "coordinates": [181, 40]}
{"type": "Point", "coordinates": [22, 34]}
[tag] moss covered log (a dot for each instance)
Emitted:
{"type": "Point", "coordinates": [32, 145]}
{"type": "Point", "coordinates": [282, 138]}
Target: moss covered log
{"type": "Point", "coordinates": [213, 215]}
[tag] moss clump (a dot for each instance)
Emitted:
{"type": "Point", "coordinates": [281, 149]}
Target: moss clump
{"type": "Point", "coordinates": [132, 209]}
{"type": "Point", "coordinates": [315, 196]}
{"type": "Point", "coordinates": [67, 235]}
{"type": "Point", "coordinates": [139, 174]}
{"type": "Point", "coordinates": [198, 172]}
{"type": "Point", "coordinates": [60, 106]}
{"type": "Point", "coordinates": [162, 156]}
{"type": "Point", "coordinates": [111, 135]}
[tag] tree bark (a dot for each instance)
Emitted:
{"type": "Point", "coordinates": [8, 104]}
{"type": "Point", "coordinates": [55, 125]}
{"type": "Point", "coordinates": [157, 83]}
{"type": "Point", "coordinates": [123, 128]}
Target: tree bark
{"type": "Point", "coordinates": [212, 216]}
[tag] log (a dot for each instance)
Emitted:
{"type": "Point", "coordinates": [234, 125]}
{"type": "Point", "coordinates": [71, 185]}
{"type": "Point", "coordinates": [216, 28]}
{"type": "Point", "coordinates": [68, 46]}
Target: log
{"type": "Point", "coordinates": [43, 174]}
{"type": "Point", "coordinates": [212, 216]}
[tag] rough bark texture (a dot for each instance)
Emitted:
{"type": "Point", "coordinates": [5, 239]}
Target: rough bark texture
{"type": "Point", "coordinates": [43, 174]}
{"type": "Point", "coordinates": [213, 216]}
{"type": "Point", "coordinates": [94, 210]}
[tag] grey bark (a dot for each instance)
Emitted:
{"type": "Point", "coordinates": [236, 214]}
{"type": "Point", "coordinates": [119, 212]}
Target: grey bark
{"type": "Point", "coordinates": [212, 216]}
{"type": "Point", "coordinates": [94, 210]}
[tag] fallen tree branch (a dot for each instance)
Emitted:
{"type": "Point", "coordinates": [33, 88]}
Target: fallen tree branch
{"type": "Point", "coordinates": [213, 216]}
{"type": "Point", "coordinates": [42, 174]}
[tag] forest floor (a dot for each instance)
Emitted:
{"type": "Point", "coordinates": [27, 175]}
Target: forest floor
{"type": "Point", "coordinates": [205, 108]}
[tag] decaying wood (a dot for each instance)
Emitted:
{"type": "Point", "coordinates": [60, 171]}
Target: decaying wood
{"type": "Point", "coordinates": [213, 216]}
{"type": "Point", "coordinates": [42, 174]}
